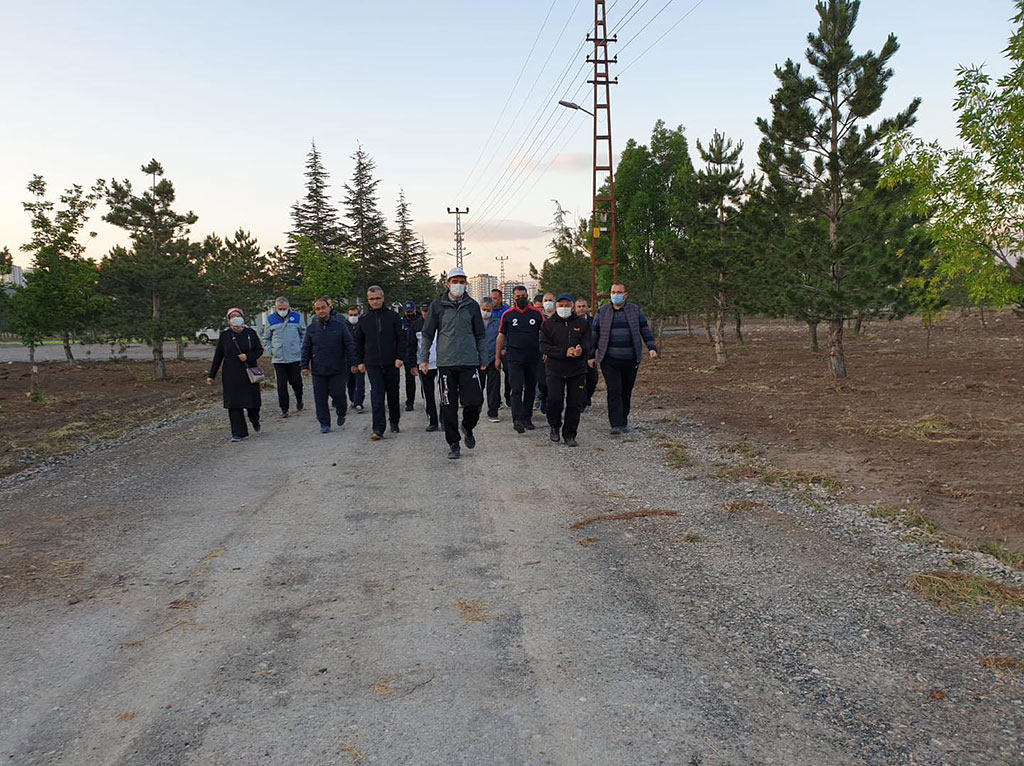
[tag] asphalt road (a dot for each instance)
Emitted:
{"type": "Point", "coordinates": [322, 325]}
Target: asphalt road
{"type": "Point", "coordinates": [306, 599]}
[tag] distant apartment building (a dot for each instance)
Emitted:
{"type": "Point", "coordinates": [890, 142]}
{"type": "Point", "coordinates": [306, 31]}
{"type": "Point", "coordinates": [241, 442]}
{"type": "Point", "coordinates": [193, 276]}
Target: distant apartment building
{"type": "Point", "coordinates": [481, 285]}
{"type": "Point", "coordinates": [16, 278]}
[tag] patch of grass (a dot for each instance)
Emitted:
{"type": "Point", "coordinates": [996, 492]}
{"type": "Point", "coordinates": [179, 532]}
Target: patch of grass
{"type": "Point", "coordinates": [1009, 557]}
{"type": "Point", "coordinates": [927, 428]}
{"type": "Point", "coordinates": [184, 603]}
{"type": "Point", "coordinates": [742, 448]}
{"type": "Point", "coordinates": [794, 479]}
{"type": "Point", "coordinates": [472, 609]}
{"type": "Point", "coordinates": [911, 518]}
{"type": "Point", "coordinates": [692, 537]}
{"type": "Point", "coordinates": [677, 455]}
{"type": "Point", "coordinates": [1003, 666]}
{"type": "Point", "coordinates": [953, 590]}
{"type": "Point", "coordinates": [586, 542]}
{"type": "Point", "coordinates": [625, 515]}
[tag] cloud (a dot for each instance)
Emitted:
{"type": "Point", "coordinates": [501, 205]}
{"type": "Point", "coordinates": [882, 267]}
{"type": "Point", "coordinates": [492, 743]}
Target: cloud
{"type": "Point", "coordinates": [487, 231]}
{"type": "Point", "coordinates": [566, 162]}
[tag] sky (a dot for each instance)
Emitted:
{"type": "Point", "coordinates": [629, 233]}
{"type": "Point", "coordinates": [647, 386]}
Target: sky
{"type": "Point", "coordinates": [455, 100]}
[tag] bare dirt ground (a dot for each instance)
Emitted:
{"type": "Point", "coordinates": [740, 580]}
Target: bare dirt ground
{"type": "Point", "coordinates": [88, 403]}
{"type": "Point", "coordinates": [942, 433]}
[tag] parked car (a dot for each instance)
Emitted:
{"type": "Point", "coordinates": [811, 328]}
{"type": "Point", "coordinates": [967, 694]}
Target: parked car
{"type": "Point", "coordinates": [207, 335]}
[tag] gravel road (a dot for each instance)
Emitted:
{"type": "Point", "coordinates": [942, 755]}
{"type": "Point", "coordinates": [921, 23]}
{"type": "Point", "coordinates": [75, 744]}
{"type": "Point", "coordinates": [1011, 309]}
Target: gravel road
{"type": "Point", "coordinates": [306, 599]}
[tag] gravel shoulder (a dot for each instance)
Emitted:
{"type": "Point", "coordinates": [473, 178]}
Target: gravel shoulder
{"type": "Point", "coordinates": [308, 599]}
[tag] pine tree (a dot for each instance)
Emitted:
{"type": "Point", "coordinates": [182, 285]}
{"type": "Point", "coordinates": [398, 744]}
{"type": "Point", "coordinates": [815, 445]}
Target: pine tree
{"type": "Point", "coordinates": [154, 289]}
{"type": "Point", "coordinates": [404, 244]}
{"type": "Point", "coordinates": [369, 243]}
{"type": "Point", "coordinates": [314, 216]}
{"type": "Point", "coordinates": [818, 149]}
{"type": "Point", "coordinates": [236, 274]}
{"type": "Point", "coordinates": [568, 269]}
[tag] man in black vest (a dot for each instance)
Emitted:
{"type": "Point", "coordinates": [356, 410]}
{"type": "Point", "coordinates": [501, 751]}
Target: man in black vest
{"type": "Point", "coordinates": [519, 338]}
{"type": "Point", "coordinates": [565, 343]}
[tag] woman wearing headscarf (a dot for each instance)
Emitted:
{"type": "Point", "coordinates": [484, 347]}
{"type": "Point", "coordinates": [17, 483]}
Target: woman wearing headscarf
{"type": "Point", "coordinates": [238, 348]}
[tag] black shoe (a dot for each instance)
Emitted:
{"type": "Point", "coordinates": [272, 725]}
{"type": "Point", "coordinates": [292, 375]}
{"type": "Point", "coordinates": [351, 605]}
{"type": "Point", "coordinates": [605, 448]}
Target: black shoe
{"type": "Point", "coordinates": [520, 428]}
{"type": "Point", "coordinates": [298, 405]}
{"type": "Point", "coordinates": [256, 427]}
{"type": "Point", "coordinates": [284, 413]}
{"type": "Point", "coordinates": [528, 425]}
{"type": "Point", "coordinates": [570, 441]}
{"type": "Point", "coordinates": [408, 407]}
{"type": "Point", "coordinates": [615, 431]}
{"type": "Point", "coordinates": [341, 419]}
{"type": "Point", "coordinates": [554, 434]}
{"type": "Point", "coordinates": [433, 427]}
{"type": "Point", "coordinates": [357, 407]}
{"type": "Point", "coordinates": [470, 439]}
{"type": "Point", "coordinates": [454, 453]}
{"type": "Point", "coordinates": [394, 428]}
{"type": "Point", "coordinates": [625, 429]}
{"type": "Point", "coordinates": [376, 436]}
{"type": "Point", "coordinates": [237, 439]}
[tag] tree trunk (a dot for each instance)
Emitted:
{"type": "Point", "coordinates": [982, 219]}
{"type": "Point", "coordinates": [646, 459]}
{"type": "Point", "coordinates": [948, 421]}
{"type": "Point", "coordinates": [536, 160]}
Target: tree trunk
{"type": "Point", "coordinates": [739, 328]}
{"type": "Point", "coordinates": [721, 355]}
{"type": "Point", "coordinates": [689, 327]}
{"type": "Point", "coordinates": [928, 336]}
{"type": "Point", "coordinates": [707, 329]}
{"type": "Point", "coordinates": [812, 331]}
{"type": "Point", "coordinates": [981, 313]}
{"type": "Point", "coordinates": [158, 341]}
{"type": "Point", "coordinates": [179, 350]}
{"type": "Point", "coordinates": [33, 381]}
{"type": "Point", "coordinates": [836, 355]}
{"type": "Point", "coordinates": [66, 337]}
{"type": "Point", "coordinates": [858, 323]}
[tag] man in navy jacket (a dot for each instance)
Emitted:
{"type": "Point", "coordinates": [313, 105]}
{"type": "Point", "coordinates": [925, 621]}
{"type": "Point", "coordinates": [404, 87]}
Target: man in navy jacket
{"type": "Point", "coordinates": [381, 345]}
{"type": "Point", "coordinates": [329, 353]}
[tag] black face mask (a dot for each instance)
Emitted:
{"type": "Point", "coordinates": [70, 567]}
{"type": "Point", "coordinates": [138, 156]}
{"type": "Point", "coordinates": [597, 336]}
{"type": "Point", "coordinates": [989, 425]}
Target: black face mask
{"type": "Point", "coordinates": [521, 303]}
{"type": "Point", "coordinates": [410, 314]}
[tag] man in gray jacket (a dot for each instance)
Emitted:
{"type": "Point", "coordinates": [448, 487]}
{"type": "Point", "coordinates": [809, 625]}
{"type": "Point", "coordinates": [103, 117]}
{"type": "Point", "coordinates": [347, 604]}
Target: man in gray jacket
{"type": "Point", "coordinates": [283, 338]}
{"type": "Point", "coordinates": [454, 319]}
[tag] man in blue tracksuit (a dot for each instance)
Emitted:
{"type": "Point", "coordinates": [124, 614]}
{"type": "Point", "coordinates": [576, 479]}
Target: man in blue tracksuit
{"type": "Point", "coordinates": [620, 332]}
{"type": "Point", "coordinates": [498, 308]}
{"type": "Point", "coordinates": [329, 353]}
{"type": "Point", "coordinates": [381, 347]}
{"type": "Point", "coordinates": [412, 323]}
{"type": "Point", "coordinates": [492, 375]}
{"type": "Point", "coordinates": [283, 338]}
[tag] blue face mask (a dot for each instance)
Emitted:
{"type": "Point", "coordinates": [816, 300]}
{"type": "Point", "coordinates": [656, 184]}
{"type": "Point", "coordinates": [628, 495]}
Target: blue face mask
{"type": "Point", "coordinates": [618, 299]}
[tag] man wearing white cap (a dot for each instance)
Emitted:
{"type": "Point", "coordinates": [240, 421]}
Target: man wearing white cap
{"type": "Point", "coordinates": [454, 319]}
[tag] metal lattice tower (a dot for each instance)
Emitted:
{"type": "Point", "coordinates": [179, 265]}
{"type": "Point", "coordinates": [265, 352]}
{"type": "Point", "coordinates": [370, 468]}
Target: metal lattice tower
{"type": "Point", "coordinates": [458, 234]}
{"type": "Point", "coordinates": [603, 217]}
{"type": "Point", "coordinates": [501, 259]}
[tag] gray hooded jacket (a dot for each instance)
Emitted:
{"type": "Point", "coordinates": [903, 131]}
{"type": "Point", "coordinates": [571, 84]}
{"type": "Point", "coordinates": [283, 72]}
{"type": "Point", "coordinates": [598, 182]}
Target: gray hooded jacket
{"type": "Point", "coordinates": [460, 331]}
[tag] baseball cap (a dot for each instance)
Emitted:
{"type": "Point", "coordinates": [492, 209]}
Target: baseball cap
{"type": "Point", "coordinates": [564, 297]}
{"type": "Point", "coordinates": [456, 272]}
{"type": "Point", "coordinates": [410, 306]}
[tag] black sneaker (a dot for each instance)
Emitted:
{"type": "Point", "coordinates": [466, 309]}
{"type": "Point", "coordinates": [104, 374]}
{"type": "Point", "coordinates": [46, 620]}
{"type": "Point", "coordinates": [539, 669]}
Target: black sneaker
{"type": "Point", "coordinates": [394, 428]}
{"type": "Point", "coordinates": [470, 439]}
{"type": "Point", "coordinates": [570, 441]}
{"type": "Point", "coordinates": [454, 453]}
{"type": "Point", "coordinates": [528, 425]}
{"type": "Point", "coordinates": [284, 414]}
{"type": "Point", "coordinates": [256, 427]}
{"type": "Point", "coordinates": [518, 425]}
{"type": "Point", "coordinates": [357, 407]}
{"type": "Point", "coordinates": [615, 431]}
{"type": "Point", "coordinates": [433, 427]}
{"type": "Point", "coordinates": [237, 439]}
{"type": "Point", "coordinates": [341, 419]}
{"type": "Point", "coordinates": [625, 429]}
{"type": "Point", "coordinates": [408, 407]}
{"type": "Point", "coordinates": [298, 405]}
{"type": "Point", "coordinates": [554, 434]}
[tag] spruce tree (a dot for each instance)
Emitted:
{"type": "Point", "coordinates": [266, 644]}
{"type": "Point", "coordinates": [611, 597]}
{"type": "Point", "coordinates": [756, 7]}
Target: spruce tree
{"type": "Point", "coordinates": [819, 150]}
{"type": "Point", "coordinates": [369, 243]}
{"type": "Point", "coordinates": [314, 216]}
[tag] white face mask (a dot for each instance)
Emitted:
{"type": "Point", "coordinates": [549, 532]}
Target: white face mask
{"type": "Point", "coordinates": [549, 306]}
{"type": "Point", "coordinates": [353, 319]}
{"type": "Point", "coordinates": [236, 321]}
{"type": "Point", "coordinates": [564, 311]}
{"type": "Point", "coordinates": [457, 289]}
{"type": "Point", "coordinates": [486, 315]}
{"type": "Point", "coordinates": [283, 312]}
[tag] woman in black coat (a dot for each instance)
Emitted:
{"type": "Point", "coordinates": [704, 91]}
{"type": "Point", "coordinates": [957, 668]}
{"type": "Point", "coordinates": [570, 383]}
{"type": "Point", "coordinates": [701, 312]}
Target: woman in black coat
{"type": "Point", "coordinates": [237, 348]}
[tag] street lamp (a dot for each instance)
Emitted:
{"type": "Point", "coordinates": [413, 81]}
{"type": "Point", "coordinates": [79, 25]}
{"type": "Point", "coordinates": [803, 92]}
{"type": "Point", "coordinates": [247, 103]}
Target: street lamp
{"type": "Point", "coordinates": [573, 105]}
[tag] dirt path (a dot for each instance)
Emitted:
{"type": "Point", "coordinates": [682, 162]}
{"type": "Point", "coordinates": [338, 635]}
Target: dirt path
{"type": "Point", "coordinates": [308, 599]}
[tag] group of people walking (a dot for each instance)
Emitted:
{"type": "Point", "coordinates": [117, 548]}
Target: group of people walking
{"type": "Point", "coordinates": [464, 352]}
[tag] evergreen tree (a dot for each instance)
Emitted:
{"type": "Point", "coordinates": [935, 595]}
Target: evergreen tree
{"type": "Point", "coordinates": [411, 257]}
{"type": "Point", "coordinates": [236, 273]}
{"type": "Point", "coordinates": [568, 269]}
{"type": "Point", "coordinates": [62, 281]}
{"type": "Point", "coordinates": [323, 273]}
{"type": "Point", "coordinates": [314, 216]}
{"type": "Point", "coordinates": [818, 150]}
{"type": "Point", "coordinates": [369, 243]}
{"type": "Point", "coordinates": [154, 290]}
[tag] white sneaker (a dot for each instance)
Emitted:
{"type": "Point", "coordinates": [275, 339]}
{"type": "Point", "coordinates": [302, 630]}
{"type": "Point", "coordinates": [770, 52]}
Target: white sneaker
{"type": "Point", "coordinates": [494, 419]}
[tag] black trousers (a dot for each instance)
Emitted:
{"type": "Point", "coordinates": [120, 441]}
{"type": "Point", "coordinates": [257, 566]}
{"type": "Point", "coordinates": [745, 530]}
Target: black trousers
{"type": "Point", "coordinates": [542, 384]}
{"type": "Point", "coordinates": [508, 385]}
{"type": "Point", "coordinates": [524, 382]}
{"type": "Point", "coordinates": [572, 392]}
{"type": "Point", "coordinates": [492, 388]}
{"type": "Point", "coordinates": [430, 394]}
{"type": "Point", "coordinates": [384, 383]}
{"type": "Point", "coordinates": [619, 377]}
{"type": "Point", "coordinates": [410, 387]}
{"type": "Point", "coordinates": [455, 385]}
{"type": "Point", "coordinates": [334, 387]}
{"type": "Point", "coordinates": [237, 418]}
{"type": "Point", "coordinates": [591, 383]}
{"type": "Point", "coordinates": [356, 387]}
{"type": "Point", "coordinates": [288, 374]}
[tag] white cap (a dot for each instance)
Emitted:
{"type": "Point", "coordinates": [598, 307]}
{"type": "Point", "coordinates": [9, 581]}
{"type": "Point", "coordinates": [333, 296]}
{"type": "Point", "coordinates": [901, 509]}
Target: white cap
{"type": "Point", "coordinates": [456, 272]}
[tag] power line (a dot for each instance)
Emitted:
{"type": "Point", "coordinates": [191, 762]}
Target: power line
{"type": "Point", "coordinates": [663, 35]}
{"type": "Point", "coordinates": [649, 22]}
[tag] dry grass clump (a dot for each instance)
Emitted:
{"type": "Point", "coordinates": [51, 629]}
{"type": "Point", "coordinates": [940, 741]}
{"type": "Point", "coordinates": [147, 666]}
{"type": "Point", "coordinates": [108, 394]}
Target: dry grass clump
{"type": "Point", "coordinates": [953, 590]}
{"type": "Point", "coordinates": [586, 542]}
{"type": "Point", "coordinates": [907, 517]}
{"type": "Point", "coordinates": [742, 505]}
{"type": "Point", "coordinates": [1003, 666]}
{"type": "Point", "coordinates": [472, 609]}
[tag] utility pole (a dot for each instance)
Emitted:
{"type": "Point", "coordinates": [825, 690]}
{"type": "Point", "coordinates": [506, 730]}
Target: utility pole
{"type": "Point", "coordinates": [501, 259]}
{"type": "Point", "coordinates": [458, 234]}
{"type": "Point", "coordinates": [603, 217]}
